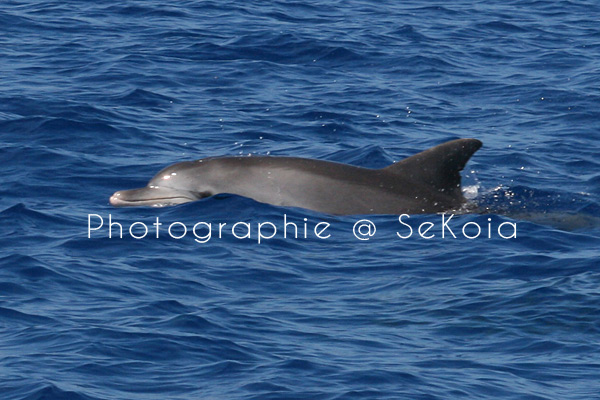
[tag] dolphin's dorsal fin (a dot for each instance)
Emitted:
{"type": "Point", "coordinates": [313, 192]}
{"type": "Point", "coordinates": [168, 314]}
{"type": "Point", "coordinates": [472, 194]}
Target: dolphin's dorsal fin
{"type": "Point", "coordinates": [438, 166]}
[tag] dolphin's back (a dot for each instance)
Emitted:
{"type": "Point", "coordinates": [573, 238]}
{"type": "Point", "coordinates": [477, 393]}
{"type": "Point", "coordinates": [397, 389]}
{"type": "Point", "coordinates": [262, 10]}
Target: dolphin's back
{"type": "Point", "coordinates": [424, 183]}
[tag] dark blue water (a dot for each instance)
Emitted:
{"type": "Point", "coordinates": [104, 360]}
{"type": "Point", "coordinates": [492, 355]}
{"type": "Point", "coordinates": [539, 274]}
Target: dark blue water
{"type": "Point", "coordinates": [98, 96]}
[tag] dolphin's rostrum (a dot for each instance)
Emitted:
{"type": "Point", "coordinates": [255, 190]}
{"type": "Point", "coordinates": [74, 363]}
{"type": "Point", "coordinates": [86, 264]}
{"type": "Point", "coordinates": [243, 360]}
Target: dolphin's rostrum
{"type": "Point", "coordinates": [428, 182]}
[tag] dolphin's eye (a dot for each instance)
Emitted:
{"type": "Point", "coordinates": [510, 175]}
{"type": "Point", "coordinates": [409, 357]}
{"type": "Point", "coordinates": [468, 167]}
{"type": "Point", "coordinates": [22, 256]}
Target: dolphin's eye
{"type": "Point", "coordinates": [202, 195]}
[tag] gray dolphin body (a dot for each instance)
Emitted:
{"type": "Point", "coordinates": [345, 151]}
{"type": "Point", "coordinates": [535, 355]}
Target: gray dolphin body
{"type": "Point", "coordinates": [428, 182]}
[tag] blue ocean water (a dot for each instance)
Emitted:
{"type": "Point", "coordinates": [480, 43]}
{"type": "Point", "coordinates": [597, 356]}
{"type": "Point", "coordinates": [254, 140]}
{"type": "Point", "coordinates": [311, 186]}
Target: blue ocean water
{"type": "Point", "coordinates": [98, 96]}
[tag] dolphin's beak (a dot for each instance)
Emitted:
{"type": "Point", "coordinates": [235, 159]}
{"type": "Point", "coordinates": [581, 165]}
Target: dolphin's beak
{"type": "Point", "coordinates": [152, 196]}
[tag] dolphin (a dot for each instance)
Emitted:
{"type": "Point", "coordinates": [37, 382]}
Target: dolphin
{"type": "Point", "coordinates": [428, 182]}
